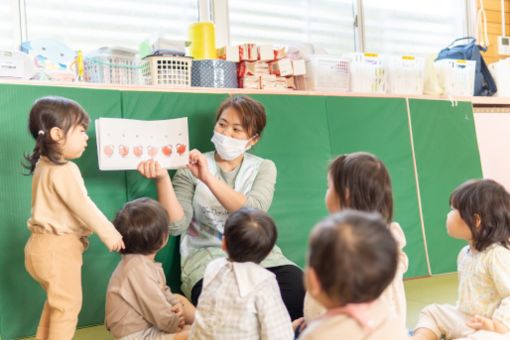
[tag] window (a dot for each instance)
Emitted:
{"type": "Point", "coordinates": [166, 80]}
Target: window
{"type": "Point", "coordinates": [9, 23]}
{"type": "Point", "coordinates": [92, 24]}
{"type": "Point", "coordinates": [412, 27]}
{"type": "Point", "coordinates": [328, 24]}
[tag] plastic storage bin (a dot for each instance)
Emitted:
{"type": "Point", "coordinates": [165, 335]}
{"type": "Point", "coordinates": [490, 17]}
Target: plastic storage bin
{"type": "Point", "coordinates": [406, 75]}
{"type": "Point", "coordinates": [457, 77]}
{"type": "Point", "coordinates": [167, 70]}
{"type": "Point", "coordinates": [501, 73]}
{"type": "Point", "coordinates": [368, 73]}
{"type": "Point", "coordinates": [326, 73]}
{"type": "Point", "coordinates": [112, 66]}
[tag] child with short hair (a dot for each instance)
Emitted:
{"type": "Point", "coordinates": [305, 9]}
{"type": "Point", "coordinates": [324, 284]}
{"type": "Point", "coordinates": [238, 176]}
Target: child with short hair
{"type": "Point", "coordinates": [241, 299]}
{"type": "Point", "coordinates": [352, 259]}
{"type": "Point", "coordinates": [63, 215]}
{"type": "Point", "coordinates": [480, 215]}
{"type": "Point", "coordinates": [139, 304]}
{"type": "Point", "coordinates": [361, 181]}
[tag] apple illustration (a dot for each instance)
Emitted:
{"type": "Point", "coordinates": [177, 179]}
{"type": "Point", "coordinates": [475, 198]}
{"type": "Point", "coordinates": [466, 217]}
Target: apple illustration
{"type": "Point", "coordinates": [123, 150]}
{"type": "Point", "coordinates": [138, 151]}
{"type": "Point", "coordinates": [108, 150]}
{"type": "Point", "coordinates": [152, 150]}
{"type": "Point", "coordinates": [167, 150]}
{"type": "Point", "coordinates": [181, 149]}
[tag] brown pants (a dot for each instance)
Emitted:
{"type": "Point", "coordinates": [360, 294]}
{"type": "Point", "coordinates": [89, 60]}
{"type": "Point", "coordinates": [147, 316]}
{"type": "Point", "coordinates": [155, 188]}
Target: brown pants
{"type": "Point", "coordinates": [55, 262]}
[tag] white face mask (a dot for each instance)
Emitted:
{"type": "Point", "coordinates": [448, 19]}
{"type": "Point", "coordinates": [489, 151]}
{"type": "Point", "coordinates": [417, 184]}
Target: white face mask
{"type": "Point", "coordinates": [229, 148]}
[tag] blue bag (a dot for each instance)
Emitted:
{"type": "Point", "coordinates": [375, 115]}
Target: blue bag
{"type": "Point", "coordinates": [484, 83]}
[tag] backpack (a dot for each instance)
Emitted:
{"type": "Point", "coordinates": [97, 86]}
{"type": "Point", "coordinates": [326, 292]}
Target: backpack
{"type": "Point", "coordinates": [484, 83]}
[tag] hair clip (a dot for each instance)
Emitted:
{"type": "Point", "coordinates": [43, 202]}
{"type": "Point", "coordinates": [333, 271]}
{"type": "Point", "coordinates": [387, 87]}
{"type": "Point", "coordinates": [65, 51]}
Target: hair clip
{"type": "Point", "coordinates": [41, 132]}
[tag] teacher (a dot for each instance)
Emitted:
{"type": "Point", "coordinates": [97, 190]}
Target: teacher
{"type": "Point", "coordinates": [215, 184]}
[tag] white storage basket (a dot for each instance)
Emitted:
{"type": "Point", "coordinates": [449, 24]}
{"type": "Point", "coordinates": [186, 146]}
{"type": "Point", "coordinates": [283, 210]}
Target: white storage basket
{"type": "Point", "coordinates": [326, 73]}
{"type": "Point", "coordinates": [456, 77]}
{"type": "Point", "coordinates": [501, 73]}
{"type": "Point", "coordinates": [167, 70]}
{"type": "Point", "coordinates": [406, 75]}
{"type": "Point", "coordinates": [112, 66]}
{"type": "Point", "coordinates": [368, 73]}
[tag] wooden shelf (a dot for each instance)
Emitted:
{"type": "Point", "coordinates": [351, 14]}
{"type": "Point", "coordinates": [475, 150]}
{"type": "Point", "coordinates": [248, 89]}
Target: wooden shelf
{"type": "Point", "coordinates": [477, 101]}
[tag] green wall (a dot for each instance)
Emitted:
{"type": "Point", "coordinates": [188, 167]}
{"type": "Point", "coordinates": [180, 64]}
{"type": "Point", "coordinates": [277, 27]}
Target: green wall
{"type": "Point", "coordinates": [303, 134]}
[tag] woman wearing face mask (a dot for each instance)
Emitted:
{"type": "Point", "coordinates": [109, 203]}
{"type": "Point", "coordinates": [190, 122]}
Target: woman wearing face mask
{"type": "Point", "coordinates": [200, 198]}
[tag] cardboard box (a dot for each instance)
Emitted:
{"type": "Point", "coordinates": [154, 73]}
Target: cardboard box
{"type": "Point", "coordinates": [248, 52]}
{"type": "Point", "coordinates": [281, 67]}
{"type": "Point", "coordinates": [229, 53]}
{"type": "Point", "coordinates": [299, 67]}
{"type": "Point", "coordinates": [266, 52]}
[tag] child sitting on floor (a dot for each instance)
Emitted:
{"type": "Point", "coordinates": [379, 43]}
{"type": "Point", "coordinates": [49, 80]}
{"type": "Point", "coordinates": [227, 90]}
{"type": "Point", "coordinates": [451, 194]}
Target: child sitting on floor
{"type": "Point", "coordinates": [480, 215]}
{"type": "Point", "coordinates": [241, 299]}
{"type": "Point", "coordinates": [139, 304]}
{"type": "Point", "coordinates": [352, 258]}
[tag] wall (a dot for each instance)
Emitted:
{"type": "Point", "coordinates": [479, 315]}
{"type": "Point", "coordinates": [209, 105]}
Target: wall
{"type": "Point", "coordinates": [493, 12]}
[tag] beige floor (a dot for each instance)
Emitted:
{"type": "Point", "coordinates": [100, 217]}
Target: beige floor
{"type": "Point", "coordinates": [419, 292]}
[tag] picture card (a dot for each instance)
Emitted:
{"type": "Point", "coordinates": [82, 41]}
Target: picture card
{"type": "Point", "coordinates": [123, 143]}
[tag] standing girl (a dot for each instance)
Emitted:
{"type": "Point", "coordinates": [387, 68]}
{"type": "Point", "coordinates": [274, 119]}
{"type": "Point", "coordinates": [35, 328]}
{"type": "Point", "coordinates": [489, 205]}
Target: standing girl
{"type": "Point", "coordinates": [360, 181]}
{"type": "Point", "coordinates": [480, 215]}
{"type": "Point", "coordinates": [63, 215]}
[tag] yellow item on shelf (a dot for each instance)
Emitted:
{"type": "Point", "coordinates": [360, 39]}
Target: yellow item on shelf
{"type": "Point", "coordinates": [202, 41]}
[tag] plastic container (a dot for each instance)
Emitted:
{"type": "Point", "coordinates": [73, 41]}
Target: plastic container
{"type": "Point", "coordinates": [112, 66]}
{"type": "Point", "coordinates": [501, 73]}
{"type": "Point", "coordinates": [368, 73]}
{"type": "Point", "coordinates": [214, 73]}
{"type": "Point", "coordinates": [325, 73]}
{"type": "Point", "coordinates": [406, 75]}
{"type": "Point", "coordinates": [202, 40]}
{"type": "Point", "coordinates": [167, 70]}
{"type": "Point", "coordinates": [456, 76]}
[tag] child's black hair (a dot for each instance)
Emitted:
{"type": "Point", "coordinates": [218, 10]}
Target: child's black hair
{"type": "Point", "coordinates": [250, 234]}
{"type": "Point", "coordinates": [143, 224]}
{"type": "Point", "coordinates": [362, 182]}
{"type": "Point", "coordinates": [354, 256]}
{"type": "Point", "coordinates": [47, 113]}
{"type": "Point", "coordinates": [485, 207]}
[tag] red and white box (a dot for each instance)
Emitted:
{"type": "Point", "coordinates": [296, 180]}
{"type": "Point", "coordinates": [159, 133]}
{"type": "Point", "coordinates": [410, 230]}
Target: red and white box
{"type": "Point", "coordinates": [281, 67]}
{"type": "Point", "coordinates": [229, 53]}
{"type": "Point", "coordinates": [252, 68]}
{"type": "Point", "coordinates": [266, 52]}
{"type": "Point", "coordinates": [248, 52]}
{"type": "Point", "coordinates": [279, 53]}
{"type": "Point", "coordinates": [299, 67]}
{"type": "Point", "coordinates": [249, 82]}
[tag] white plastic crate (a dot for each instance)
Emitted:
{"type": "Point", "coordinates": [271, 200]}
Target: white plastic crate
{"type": "Point", "coordinates": [368, 73]}
{"type": "Point", "coordinates": [326, 73]}
{"type": "Point", "coordinates": [167, 70]}
{"type": "Point", "coordinates": [112, 66]}
{"type": "Point", "coordinates": [501, 73]}
{"type": "Point", "coordinates": [456, 77]}
{"type": "Point", "coordinates": [406, 75]}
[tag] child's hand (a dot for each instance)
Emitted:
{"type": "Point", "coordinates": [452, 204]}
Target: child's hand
{"type": "Point", "coordinates": [151, 169]}
{"type": "Point", "coordinates": [179, 311]}
{"type": "Point", "coordinates": [298, 323]}
{"type": "Point", "coordinates": [481, 323]}
{"type": "Point", "coordinates": [117, 246]}
{"type": "Point", "coordinates": [198, 165]}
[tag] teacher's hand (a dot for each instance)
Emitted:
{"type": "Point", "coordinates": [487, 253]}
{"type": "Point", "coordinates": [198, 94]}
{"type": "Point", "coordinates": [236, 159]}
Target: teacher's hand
{"type": "Point", "coordinates": [151, 169]}
{"type": "Point", "coordinates": [198, 165]}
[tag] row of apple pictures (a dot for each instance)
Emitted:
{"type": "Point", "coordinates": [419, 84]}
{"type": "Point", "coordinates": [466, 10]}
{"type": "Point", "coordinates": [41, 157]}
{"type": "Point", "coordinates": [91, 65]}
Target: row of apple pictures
{"type": "Point", "coordinates": [138, 151]}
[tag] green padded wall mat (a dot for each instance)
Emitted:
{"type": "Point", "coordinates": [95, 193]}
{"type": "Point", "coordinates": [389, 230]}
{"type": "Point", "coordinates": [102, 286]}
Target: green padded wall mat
{"type": "Point", "coordinates": [200, 110]}
{"type": "Point", "coordinates": [446, 155]}
{"type": "Point", "coordinates": [21, 297]}
{"type": "Point", "coordinates": [380, 126]}
{"type": "Point", "coordinates": [297, 140]}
